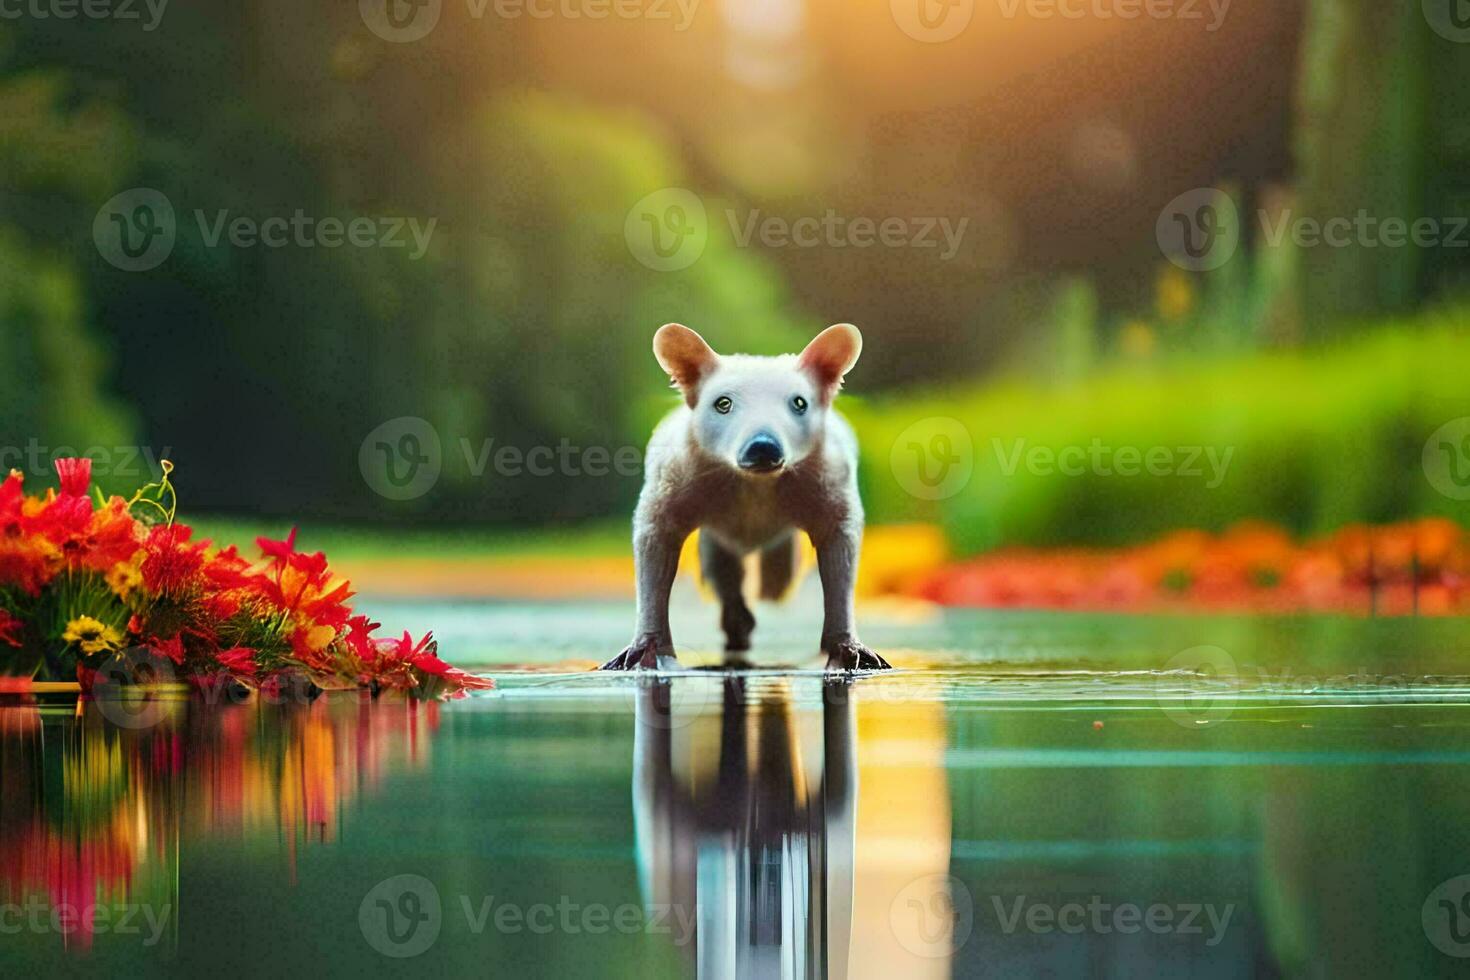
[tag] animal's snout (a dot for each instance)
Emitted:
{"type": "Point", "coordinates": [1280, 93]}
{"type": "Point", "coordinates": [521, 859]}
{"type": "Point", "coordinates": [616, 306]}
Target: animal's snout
{"type": "Point", "coordinates": [762, 453]}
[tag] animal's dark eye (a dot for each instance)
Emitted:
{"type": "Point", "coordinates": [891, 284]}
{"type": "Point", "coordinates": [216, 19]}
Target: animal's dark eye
{"type": "Point", "coordinates": [799, 404]}
{"type": "Point", "coordinates": [723, 404]}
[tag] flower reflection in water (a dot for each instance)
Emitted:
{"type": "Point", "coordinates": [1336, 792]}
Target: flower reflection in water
{"type": "Point", "coordinates": [93, 814]}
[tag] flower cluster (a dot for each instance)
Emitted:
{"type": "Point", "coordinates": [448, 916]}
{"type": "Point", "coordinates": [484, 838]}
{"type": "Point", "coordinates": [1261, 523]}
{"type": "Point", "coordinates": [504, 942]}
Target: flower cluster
{"type": "Point", "coordinates": [86, 581]}
{"type": "Point", "coordinates": [1413, 568]}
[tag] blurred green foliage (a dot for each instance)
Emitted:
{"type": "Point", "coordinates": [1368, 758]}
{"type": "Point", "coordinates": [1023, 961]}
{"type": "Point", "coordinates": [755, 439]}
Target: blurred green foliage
{"type": "Point", "coordinates": [51, 370]}
{"type": "Point", "coordinates": [1381, 113]}
{"type": "Point", "coordinates": [55, 150]}
{"type": "Point", "coordinates": [560, 346]}
{"type": "Point", "coordinates": [1316, 439]}
{"type": "Point", "coordinates": [527, 322]}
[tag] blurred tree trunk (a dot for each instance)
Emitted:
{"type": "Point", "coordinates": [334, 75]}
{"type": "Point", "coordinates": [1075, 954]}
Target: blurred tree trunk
{"type": "Point", "coordinates": [1365, 140]}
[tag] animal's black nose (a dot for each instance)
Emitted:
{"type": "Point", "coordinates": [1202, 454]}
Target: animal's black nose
{"type": "Point", "coordinates": [762, 453]}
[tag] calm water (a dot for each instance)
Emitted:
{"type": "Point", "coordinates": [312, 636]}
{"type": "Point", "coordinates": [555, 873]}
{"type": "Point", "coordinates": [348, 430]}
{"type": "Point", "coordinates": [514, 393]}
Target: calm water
{"type": "Point", "coordinates": [1033, 796]}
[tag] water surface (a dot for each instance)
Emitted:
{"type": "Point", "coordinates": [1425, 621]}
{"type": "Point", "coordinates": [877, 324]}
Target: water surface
{"type": "Point", "coordinates": [1030, 795]}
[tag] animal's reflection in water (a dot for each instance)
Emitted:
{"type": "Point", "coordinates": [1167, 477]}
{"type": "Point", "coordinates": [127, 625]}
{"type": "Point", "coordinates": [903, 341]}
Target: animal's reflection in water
{"type": "Point", "coordinates": [755, 839]}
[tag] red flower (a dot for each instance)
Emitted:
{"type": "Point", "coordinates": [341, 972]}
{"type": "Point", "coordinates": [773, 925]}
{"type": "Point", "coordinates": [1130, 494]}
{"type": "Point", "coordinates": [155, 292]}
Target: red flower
{"type": "Point", "coordinates": [172, 560]}
{"type": "Point", "coordinates": [112, 536]}
{"type": "Point", "coordinates": [75, 474]}
{"type": "Point", "coordinates": [26, 558]}
{"type": "Point", "coordinates": [278, 549]}
{"type": "Point", "coordinates": [225, 569]}
{"type": "Point", "coordinates": [60, 519]}
{"type": "Point", "coordinates": [184, 591]}
{"type": "Point", "coordinates": [219, 606]}
{"type": "Point", "coordinates": [10, 629]}
{"type": "Point", "coordinates": [431, 664]}
{"type": "Point", "coordinates": [360, 639]}
{"type": "Point", "coordinates": [173, 648]}
{"type": "Point", "coordinates": [238, 660]}
{"type": "Point", "coordinates": [431, 673]}
{"type": "Point", "coordinates": [12, 495]}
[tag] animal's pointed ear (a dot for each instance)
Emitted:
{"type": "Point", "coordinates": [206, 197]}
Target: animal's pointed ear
{"type": "Point", "coordinates": [831, 355]}
{"type": "Point", "coordinates": [685, 357]}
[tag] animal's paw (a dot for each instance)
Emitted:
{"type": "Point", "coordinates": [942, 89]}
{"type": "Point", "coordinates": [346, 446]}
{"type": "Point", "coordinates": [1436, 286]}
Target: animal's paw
{"type": "Point", "coordinates": [641, 654]}
{"type": "Point", "coordinates": [849, 654]}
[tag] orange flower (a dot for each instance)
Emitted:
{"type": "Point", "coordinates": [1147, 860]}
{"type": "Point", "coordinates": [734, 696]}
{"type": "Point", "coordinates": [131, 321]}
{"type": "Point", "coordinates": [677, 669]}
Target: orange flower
{"type": "Point", "coordinates": [1411, 567]}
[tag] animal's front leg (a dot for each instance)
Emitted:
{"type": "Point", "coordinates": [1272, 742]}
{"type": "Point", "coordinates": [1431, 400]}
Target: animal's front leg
{"type": "Point", "coordinates": [837, 558]}
{"type": "Point", "coordinates": [656, 561]}
{"type": "Point", "coordinates": [724, 571]}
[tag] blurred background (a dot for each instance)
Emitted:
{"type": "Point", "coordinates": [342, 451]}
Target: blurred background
{"type": "Point", "coordinates": [331, 258]}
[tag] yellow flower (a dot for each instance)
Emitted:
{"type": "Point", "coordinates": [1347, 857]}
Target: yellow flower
{"type": "Point", "coordinates": [1136, 339]}
{"type": "Point", "coordinates": [898, 556]}
{"type": "Point", "coordinates": [318, 637]}
{"type": "Point", "coordinates": [1173, 293]}
{"type": "Point", "coordinates": [92, 635]}
{"type": "Point", "coordinates": [126, 576]}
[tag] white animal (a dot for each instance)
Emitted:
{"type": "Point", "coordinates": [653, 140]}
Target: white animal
{"type": "Point", "coordinates": [755, 455]}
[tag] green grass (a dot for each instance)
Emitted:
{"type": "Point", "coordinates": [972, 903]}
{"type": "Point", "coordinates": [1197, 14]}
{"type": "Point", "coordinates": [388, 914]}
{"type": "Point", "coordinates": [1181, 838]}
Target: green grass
{"type": "Point", "coordinates": [1318, 438]}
